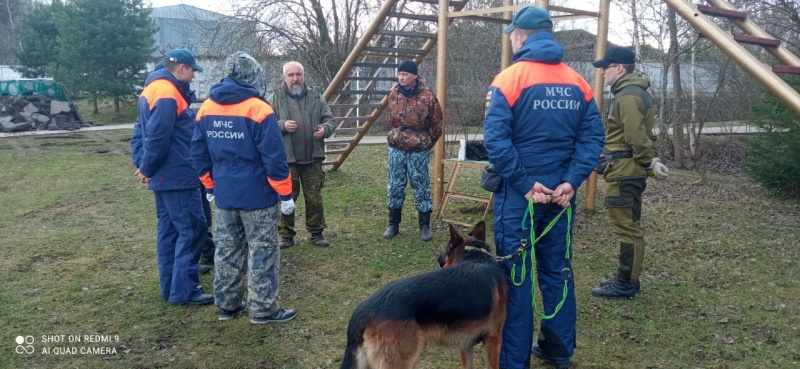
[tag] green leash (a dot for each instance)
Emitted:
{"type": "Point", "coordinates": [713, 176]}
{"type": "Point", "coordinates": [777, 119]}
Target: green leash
{"type": "Point", "coordinates": [565, 272]}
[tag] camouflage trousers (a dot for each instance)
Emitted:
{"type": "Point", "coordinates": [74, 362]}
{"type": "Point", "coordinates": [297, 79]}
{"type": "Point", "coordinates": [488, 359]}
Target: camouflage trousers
{"type": "Point", "coordinates": [624, 203]}
{"type": "Point", "coordinates": [247, 245]}
{"type": "Point", "coordinates": [311, 178]}
{"type": "Point", "coordinates": [404, 166]}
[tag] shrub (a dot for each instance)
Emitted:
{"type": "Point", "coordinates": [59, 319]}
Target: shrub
{"type": "Point", "coordinates": [772, 158]}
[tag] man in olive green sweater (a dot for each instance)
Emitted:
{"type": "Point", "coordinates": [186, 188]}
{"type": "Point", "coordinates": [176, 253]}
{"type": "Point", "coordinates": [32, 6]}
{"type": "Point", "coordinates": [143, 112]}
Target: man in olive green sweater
{"type": "Point", "coordinates": [629, 156]}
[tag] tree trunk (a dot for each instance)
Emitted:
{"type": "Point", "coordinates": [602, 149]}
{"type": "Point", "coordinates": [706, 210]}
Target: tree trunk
{"type": "Point", "coordinates": [116, 105]}
{"type": "Point", "coordinates": [677, 124]}
{"type": "Point", "coordinates": [95, 110]}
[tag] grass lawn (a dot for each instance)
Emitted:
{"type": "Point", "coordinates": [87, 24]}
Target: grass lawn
{"type": "Point", "coordinates": [105, 114]}
{"type": "Point", "coordinates": [720, 288]}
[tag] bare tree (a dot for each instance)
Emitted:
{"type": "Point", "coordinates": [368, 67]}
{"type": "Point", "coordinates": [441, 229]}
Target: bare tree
{"type": "Point", "coordinates": [10, 12]}
{"type": "Point", "coordinates": [320, 34]}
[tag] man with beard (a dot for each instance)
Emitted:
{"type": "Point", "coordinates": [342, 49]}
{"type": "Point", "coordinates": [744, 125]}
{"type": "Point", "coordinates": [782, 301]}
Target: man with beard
{"type": "Point", "coordinates": [305, 120]}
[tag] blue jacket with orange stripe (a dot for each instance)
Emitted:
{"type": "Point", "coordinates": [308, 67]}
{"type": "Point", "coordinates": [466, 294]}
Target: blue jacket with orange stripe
{"type": "Point", "coordinates": [161, 142]}
{"type": "Point", "coordinates": [238, 149]}
{"type": "Point", "coordinates": [541, 116]}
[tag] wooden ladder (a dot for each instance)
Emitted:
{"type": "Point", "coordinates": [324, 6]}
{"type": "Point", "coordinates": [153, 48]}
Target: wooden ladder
{"type": "Point", "coordinates": [752, 34]}
{"type": "Point", "coordinates": [358, 94]}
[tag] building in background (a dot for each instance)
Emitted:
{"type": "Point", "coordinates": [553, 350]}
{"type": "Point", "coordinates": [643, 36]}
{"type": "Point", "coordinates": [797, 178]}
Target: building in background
{"type": "Point", "coordinates": [210, 36]}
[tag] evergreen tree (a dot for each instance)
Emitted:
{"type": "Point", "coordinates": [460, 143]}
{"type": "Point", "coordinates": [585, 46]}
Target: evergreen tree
{"type": "Point", "coordinates": [38, 33]}
{"type": "Point", "coordinates": [103, 46]}
{"type": "Point", "coordinates": [773, 158]}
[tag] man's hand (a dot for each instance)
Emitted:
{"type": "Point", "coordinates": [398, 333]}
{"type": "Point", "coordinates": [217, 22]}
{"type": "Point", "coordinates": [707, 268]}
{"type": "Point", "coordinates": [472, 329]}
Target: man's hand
{"type": "Point", "coordinates": [287, 207]}
{"type": "Point", "coordinates": [563, 194]}
{"type": "Point", "coordinates": [539, 193]}
{"type": "Point", "coordinates": [320, 133]}
{"type": "Point", "coordinates": [290, 125]}
{"type": "Point", "coordinates": [141, 177]}
{"type": "Point", "coordinates": [657, 169]}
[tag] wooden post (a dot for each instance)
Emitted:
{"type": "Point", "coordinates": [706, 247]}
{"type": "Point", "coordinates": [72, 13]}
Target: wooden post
{"type": "Point", "coordinates": [600, 47]}
{"type": "Point", "coordinates": [441, 94]}
{"type": "Point", "coordinates": [505, 53]}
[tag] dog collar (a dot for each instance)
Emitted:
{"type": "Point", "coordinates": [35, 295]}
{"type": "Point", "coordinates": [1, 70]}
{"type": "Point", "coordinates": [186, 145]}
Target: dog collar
{"type": "Point", "coordinates": [471, 248]}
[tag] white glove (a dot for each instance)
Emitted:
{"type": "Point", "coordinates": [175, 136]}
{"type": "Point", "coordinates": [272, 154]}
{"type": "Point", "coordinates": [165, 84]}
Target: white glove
{"type": "Point", "coordinates": [657, 169]}
{"type": "Point", "coordinates": [210, 197]}
{"type": "Point", "coordinates": [287, 207]}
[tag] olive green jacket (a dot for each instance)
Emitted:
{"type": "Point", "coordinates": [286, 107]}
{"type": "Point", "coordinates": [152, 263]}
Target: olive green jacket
{"type": "Point", "coordinates": [629, 127]}
{"type": "Point", "coordinates": [319, 113]}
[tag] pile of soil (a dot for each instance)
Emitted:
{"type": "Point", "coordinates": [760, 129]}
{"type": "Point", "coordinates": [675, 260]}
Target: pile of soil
{"type": "Point", "coordinates": [38, 113]}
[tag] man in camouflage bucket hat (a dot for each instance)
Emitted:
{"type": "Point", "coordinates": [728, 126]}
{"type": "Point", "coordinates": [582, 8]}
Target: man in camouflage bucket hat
{"type": "Point", "coordinates": [238, 150]}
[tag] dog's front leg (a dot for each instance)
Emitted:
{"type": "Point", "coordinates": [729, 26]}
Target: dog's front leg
{"type": "Point", "coordinates": [466, 358]}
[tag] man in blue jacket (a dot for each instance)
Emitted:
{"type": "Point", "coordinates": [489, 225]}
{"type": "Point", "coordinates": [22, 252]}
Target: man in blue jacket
{"type": "Point", "coordinates": [240, 157]}
{"type": "Point", "coordinates": [542, 131]}
{"type": "Point", "coordinates": [161, 153]}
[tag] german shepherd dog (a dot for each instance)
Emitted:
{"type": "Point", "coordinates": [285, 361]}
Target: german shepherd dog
{"type": "Point", "coordinates": [457, 306]}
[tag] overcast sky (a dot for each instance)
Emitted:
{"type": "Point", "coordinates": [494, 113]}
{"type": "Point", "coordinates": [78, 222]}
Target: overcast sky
{"type": "Point", "coordinates": [618, 29]}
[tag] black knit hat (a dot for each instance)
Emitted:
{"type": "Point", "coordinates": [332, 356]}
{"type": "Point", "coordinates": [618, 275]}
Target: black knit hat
{"type": "Point", "coordinates": [407, 66]}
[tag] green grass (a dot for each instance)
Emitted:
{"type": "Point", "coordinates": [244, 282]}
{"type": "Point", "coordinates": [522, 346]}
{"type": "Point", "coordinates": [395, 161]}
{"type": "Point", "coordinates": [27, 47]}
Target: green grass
{"type": "Point", "coordinates": [105, 114]}
{"type": "Point", "coordinates": [720, 288]}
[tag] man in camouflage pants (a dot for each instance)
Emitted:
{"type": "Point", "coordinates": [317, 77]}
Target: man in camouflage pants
{"type": "Point", "coordinates": [238, 150]}
{"type": "Point", "coordinates": [305, 120]}
{"type": "Point", "coordinates": [415, 116]}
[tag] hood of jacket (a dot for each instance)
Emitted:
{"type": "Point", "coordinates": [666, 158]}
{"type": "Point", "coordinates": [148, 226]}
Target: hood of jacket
{"type": "Point", "coordinates": [540, 47]}
{"type": "Point", "coordinates": [229, 91]}
{"type": "Point", "coordinates": [183, 87]}
{"type": "Point", "coordinates": [630, 79]}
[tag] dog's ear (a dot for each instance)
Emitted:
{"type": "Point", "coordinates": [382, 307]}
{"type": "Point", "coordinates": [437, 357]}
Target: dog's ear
{"type": "Point", "coordinates": [455, 237]}
{"type": "Point", "coordinates": [479, 231]}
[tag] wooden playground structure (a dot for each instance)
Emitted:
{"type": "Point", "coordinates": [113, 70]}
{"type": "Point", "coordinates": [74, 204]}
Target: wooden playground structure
{"type": "Point", "coordinates": [371, 65]}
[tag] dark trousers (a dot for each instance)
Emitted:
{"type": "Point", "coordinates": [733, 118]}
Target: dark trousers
{"type": "Point", "coordinates": [205, 254]}
{"type": "Point", "coordinates": [181, 229]}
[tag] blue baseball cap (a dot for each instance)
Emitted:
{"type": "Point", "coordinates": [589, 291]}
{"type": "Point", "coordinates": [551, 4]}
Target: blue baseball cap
{"type": "Point", "coordinates": [530, 17]}
{"type": "Point", "coordinates": [182, 56]}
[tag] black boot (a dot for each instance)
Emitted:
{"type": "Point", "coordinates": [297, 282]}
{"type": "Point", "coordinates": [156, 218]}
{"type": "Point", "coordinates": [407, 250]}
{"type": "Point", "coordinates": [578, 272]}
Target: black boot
{"type": "Point", "coordinates": [394, 223]}
{"type": "Point", "coordinates": [616, 289]}
{"type": "Point", "coordinates": [425, 226]}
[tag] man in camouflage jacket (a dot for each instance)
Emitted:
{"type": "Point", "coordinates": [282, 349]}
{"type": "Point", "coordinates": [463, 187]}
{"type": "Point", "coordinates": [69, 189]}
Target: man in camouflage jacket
{"type": "Point", "coordinates": [415, 117]}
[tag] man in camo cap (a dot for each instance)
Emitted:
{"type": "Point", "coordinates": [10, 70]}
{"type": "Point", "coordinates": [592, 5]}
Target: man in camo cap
{"type": "Point", "coordinates": [238, 151]}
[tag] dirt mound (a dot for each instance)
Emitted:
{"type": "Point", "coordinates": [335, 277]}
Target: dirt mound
{"type": "Point", "coordinates": [38, 113]}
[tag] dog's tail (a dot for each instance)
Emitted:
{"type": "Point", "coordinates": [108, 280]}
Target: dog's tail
{"type": "Point", "coordinates": [355, 339]}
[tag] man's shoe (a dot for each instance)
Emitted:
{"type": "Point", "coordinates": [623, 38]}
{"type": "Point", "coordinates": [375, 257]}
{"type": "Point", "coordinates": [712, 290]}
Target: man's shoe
{"type": "Point", "coordinates": [204, 268]}
{"type": "Point", "coordinates": [318, 240]}
{"type": "Point", "coordinates": [203, 299]}
{"type": "Point", "coordinates": [559, 364]}
{"type": "Point", "coordinates": [616, 290]}
{"type": "Point", "coordinates": [606, 282]}
{"type": "Point", "coordinates": [287, 242]}
{"type": "Point", "coordinates": [279, 317]}
{"type": "Point", "coordinates": [225, 315]}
